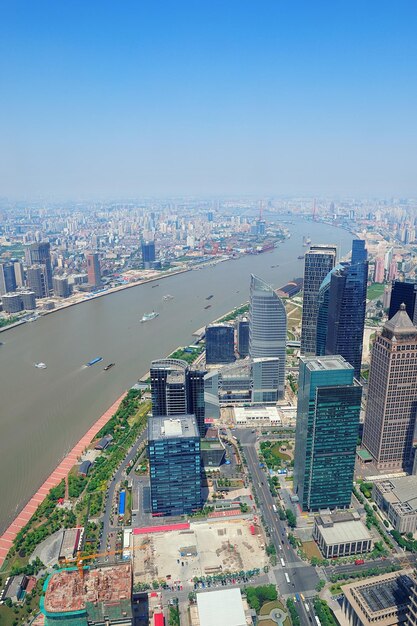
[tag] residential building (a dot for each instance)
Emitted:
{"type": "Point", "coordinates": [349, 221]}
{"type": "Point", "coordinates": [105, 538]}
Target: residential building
{"type": "Point", "coordinates": [12, 303]}
{"type": "Point", "coordinates": [346, 309]}
{"type": "Point", "coordinates": [28, 300]}
{"type": "Point", "coordinates": [329, 401]}
{"type": "Point", "coordinates": [242, 331]}
{"type": "Point", "coordinates": [319, 261]}
{"type": "Point", "coordinates": [220, 343]}
{"type": "Point", "coordinates": [61, 287]}
{"type": "Point", "coordinates": [7, 278]}
{"type": "Point", "coordinates": [382, 600]}
{"type": "Point", "coordinates": [391, 407]}
{"type": "Point", "coordinates": [397, 498]}
{"type": "Point", "coordinates": [341, 534]}
{"type": "Point", "coordinates": [40, 254]}
{"type": "Point", "coordinates": [403, 292]}
{"type": "Point", "coordinates": [379, 271]}
{"type": "Point", "coordinates": [268, 332]}
{"type": "Point", "coordinates": [93, 269]}
{"type": "Point", "coordinates": [37, 281]}
{"type": "Point", "coordinates": [174, 465]}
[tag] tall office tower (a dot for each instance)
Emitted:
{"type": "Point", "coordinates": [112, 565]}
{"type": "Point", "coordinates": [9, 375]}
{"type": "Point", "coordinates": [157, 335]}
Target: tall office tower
{"type": "Point", "coordinates": [61, 287]}
{"type": "Point", "coordinates": [7, 278]}
{"type": "Point", "coordinates": [323, 311]}
{"type": "Point", "coordinates": [329, 402]}
{"type": "Point", "coordinates": [347, 304]}
{"type": "Point", "coordinates": [19, 273]}
{"type": "Point", "coordinates": [174, 465]}
{"type": "Point", "coordinates": [242, 331]}
{"type": "Point", "coordinates": [12, 302]}
{"type": "Point", "coordinates": [93, 269]}
{"type": "Point", "coordinates": [379, 272]}
{"type": "Point", "coordinates": [403, 292]}
{"type": "Point", "coordinates": [148, 253]}
{"type": "Point", "coordinates": [28, 300]}
{"type": "Point", "coordinates": [177, 389]}
{"type": "Point", "coordinates": [37, 281]}
{"type": "Point", "coordinates": [391, 408]}
{"type": "Point", "coordinates": [220, 343]}
{"type": "Point", "coordinates": [40, 254]}
{"type": "Point", "coordinates": [264, 380]}
{"type": "Point", "coordinates": [412, 607]}
{"type": "Point", "coordinates": [211, 395]}
{"type": "Point", "coordinates": [268, 329]}
{"type": "Point", "coordinates": [319, 261]}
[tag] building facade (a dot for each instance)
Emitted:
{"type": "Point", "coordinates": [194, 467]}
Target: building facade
{"type": "Point", "coordinates": [346, 308]}
{"type": "Point", "coordinates": [242, 331]}
{"type": "Point", "coordinates": [220, 343]}
{"type": "Point", "coordinates": [341, 534]}
{"type": "Point", "coordinates": [61, 287]}
{"type": "Point", "coordinates": [397, 498]}
{"type": "Point", "coordinates": [7, 278]}
{"type": "Point", "coordinates": [37, 281]}
{"type": "Point", "coordinates": [319, 261]}
{"type": "Point", "coordinates": [93, 269]}
{"type": "Point", "coordinates": [12, 303]}
{"type": "Point", "coordinates": [174, 465]}
{"type": "Point", "coordinates": [403, 292]}
{"type": "Point", "coordinates": [268, 330]}
{"type": "Point", "coordinates": [329, 401]}
{"type": "Point", "coordinates": [391, 408]}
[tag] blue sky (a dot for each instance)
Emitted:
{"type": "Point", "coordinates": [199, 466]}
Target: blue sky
{"type": "Point", "coordinates": [127, 97]}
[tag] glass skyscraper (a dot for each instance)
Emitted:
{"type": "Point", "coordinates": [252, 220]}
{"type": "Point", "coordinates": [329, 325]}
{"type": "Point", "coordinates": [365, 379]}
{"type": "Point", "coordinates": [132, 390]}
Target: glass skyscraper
{"type": "Point", "coordinates": [329, 402]}
{"type": "Point", "coordinates": [220, 343]}
{"type": "Point", "coordinates": [346, 308]}
{"type": "Point", "coordinates": [174, 465]}
{"type": "Point", "coordinates": [319, 261]}
{"type": "Point", "coordinates": [323, 312]}
{"type": "Point", "coordinates": [242, 328]}
{"type": "Point", "coordinates": [268, 330]}
{"type": "Point", "coordinates": [403, 292]}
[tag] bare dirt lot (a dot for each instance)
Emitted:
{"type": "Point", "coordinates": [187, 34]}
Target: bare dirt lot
{"type": "Point", "coordinates": [205, 549]}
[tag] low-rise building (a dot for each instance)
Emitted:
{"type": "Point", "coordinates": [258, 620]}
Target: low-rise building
{"type": "Point", "coordinates": [212, 453]}
{"type": "Point", "coordinates": [341, 534]}
{"type": "Point", "coordinates": [221, 608]}
{"type": "Point", "coordinates": [397, 498]}
{"type": "Point", "coordinates": [382, 600]}
{"type": "Point", "coordinates": [257, 416]}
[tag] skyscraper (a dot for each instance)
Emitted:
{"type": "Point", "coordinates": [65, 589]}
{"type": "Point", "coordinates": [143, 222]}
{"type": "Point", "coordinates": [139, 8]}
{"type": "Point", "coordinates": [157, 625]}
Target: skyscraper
{"type": "Point", "coordinates": [242, 328]}
{"type": "Point", "coordinates": [347, 304]}
{"type": "Point", "coordinates": [268, 329]}
{"type": "Point", "coordinates": [323, 311]}
{"type": "Point", "coordinates": [319, 261]}
{"type": "Point", "coordinates": [174, 465]}
{"type": "Point", "coordinates": [412, 607]}
{"type": "Point", "coordinates": [7, 278]}
{"type": "Point", "coordinates": [40, 254]}
{"type": "Point", "coordinates": [391, 408]}
{"type": "Point", "coordinates": [61, 287]}
{"type": "Point", "coordinates": [177, 389]}
{"type": "Point", "coordinates": [379, 272]}
{"type": "Point", "coordinates": [19, 273]}
{"type": "Point", "coordinates": [220, 343]}
{"type": "Point", "coordinates": [403, 292]}
{"type": "Point", "coordinates": [37, 281]}
{"type": "Point", "coordinates": [329, 402]}
{"type": "Point", "coordinates": [148, 253]}
{"type": "Point", "coordinates": [93, 269]}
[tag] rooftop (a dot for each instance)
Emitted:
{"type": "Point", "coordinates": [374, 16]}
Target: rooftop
{"type": "Point", "coordinates": [315, 363]}
{"type": "Point", "coordinates": [342, 528]}
{"type": "Point", "coordinates": [401, 491]}
{"type": "Point", "coordinates": [170, 427]}
{"type": "Point", "coordinates": [400, 326]}
{"type": "Point", "coordinates": [221, 608]}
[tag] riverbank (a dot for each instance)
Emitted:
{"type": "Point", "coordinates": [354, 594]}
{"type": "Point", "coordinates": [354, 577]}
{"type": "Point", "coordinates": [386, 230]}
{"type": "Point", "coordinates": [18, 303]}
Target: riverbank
{"type": "Point", "coordinates": [6, 540]}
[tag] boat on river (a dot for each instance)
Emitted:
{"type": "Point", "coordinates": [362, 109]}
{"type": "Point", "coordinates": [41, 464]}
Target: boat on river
{"type": "Point", "coordinates": [149, 316]}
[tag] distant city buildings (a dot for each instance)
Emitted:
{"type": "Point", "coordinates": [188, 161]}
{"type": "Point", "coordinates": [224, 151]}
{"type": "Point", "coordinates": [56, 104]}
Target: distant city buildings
{"type": "Point", "coordinates": [174, 465]}
{"type": "Point", "coordinates": [390, 416]}
{"type": "Point", "coordinates": [329, 401]}
{"type": "Point", "coordinates": [319, 261]}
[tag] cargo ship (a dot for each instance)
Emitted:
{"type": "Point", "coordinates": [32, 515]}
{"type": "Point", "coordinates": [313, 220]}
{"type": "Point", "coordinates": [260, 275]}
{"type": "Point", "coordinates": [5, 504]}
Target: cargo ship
{"type": "Point", "coordinates": [94, 361]}
{"type": "Point", "coordinates": [149, 316]}
{"type": "Point", "coordinates": [109, 366]}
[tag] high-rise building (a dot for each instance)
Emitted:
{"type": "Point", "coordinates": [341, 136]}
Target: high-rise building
{"type": "Point", "coordinates": [403, 292]}
{"type": "Point", "coordinates": [37, 281]}
{"type": "Point", "coordinates": [412, 607]}
{"type": "Point", "coordinates": [264, 381]}
{"type": "Point", "coordinates": [220, 343]}
{"type": "Point", "coordinates": [177, 389]}
{"type": "Point", "coordinates": [329, 402]}
{"type": "Point", "coordinates": [28, 300]}
{"type": "Point", "coordinates": [61, 287]}
{"type": "Point", "coordinates": [268, 330]}
{"type": "Point", "coordinates": [379, 272]}
{"type": "Point", "coordinates": [7, 278]}
{"type": "Point", "coordinates": [93, 269]}
{"type": "Point", "coordinates": [19, 273]}
{"type": "Point", "coordinates": [40, 254]}
{"type": "Point", "coordinates": [174, 465]}
{"type": "Point", "coordinates": [323, 311]}
{"type": "Point", "coordinates": [12, 302]}
{"type": "Point", "coordinates": [391, 407]}
{"type": "Point", "coordinates": [242, 332]}
{"type": "Point", "coordinates": [347, 305]}
{"type": "Point", "coordinates": [148, 254]}
{"type": "Point", "coordinates": [319, 261]}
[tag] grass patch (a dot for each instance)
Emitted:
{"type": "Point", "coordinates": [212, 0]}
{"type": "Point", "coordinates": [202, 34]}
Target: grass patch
{"type": "Point", "coordinates": [311, 550]}
{"type": "Point", "coordinates": [267, 608]}
{"type": "Point", "coordinates": [267, 622]}
{"type": "Point", "coordinates": [375, 291]}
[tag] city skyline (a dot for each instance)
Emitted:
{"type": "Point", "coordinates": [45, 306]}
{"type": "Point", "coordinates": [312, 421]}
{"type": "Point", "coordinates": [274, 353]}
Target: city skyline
{"type": "Point", "coordinates": [106, 101]}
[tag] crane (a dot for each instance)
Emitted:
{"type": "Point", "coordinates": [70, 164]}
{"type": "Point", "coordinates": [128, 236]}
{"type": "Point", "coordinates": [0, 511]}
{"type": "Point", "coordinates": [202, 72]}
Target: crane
{"type": "Point", "coordinates": [80, 558]}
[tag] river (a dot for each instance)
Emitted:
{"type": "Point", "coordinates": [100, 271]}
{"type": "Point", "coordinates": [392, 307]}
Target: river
{"type": "Point", "coordinates": [43, 413]}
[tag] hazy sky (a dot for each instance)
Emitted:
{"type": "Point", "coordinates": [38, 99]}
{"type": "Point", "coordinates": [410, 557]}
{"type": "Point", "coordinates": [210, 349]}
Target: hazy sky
{"type": "Point", "coordinates": [131, 97]}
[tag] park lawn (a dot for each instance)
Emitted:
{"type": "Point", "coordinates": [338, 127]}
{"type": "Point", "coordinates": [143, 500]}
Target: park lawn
{"type": "Point", "coordinates": [311, 549]}
{"type": "Point", "coordinates": [375, 291]}
{"type": "Point", "coordinates": [268, 606]}
{"type": "Point", "coordinates": [267, 622]}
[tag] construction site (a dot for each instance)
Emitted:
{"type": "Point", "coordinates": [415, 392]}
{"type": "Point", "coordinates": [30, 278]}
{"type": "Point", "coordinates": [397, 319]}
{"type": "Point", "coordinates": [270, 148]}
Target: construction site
{"type": "Point", "coordinates": [199, 549]}
{"type": "Point", "coordinates": [89, 595]}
